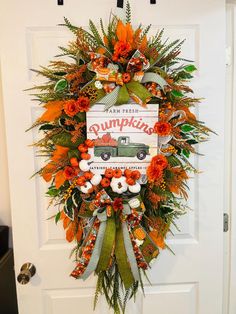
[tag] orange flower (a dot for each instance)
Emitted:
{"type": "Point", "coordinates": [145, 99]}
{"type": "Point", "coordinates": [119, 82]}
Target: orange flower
{"type": "Point", "coordinates": [154, 173]}
{"type": "Point", "coordinates": [159, 160]}
{"type": "Point", "coordinates": [83, 103]}
{"type": "Point", "coordinates": [69, 172]}
{"type": "Point", "coordinates": [105, 182]}
{"type": "Point", "coordinates": [118, 204]}
{"type": "Point", "coordinates": [71, 108]}
{"type": "Point", "coordinates": [121, 51]}
{"type": "Point", "coordinates": [162, 128]}
{"type": "Point", "coordinates": [126, 77]}
{"type": "Point", "coordinates": [109, 173]}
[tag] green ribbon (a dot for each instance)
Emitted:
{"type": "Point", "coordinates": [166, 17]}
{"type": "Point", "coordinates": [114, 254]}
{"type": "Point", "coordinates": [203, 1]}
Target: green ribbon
{"type": "Point", "coordinates": [154, 77]}
{"type": "Point", "coordinates": [107, 246]}
{"type": "Point", "coordinates": [130, 251]}
{"type": "Point", "coordinates": [96, 252]}
{"type": "Point", "coordinates": [110, 99]}
{"type": "Point", "coordinates": [122, 260]}
{"type": "Point", "coordinates": [123, 96]}
{"type": "Point", "coordinates": [139, 90]}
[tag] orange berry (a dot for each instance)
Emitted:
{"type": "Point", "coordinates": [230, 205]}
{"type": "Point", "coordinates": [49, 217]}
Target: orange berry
{"type": "Point", "coordinates": [109, 173]}
{"type": "Point", "coordinates": [117, 173]}
{"type": "Point", "coordinates": [85, 156]}
{"type": "Point", "coordinates": [83, 148]}
{"type": "Point", "coordinates": [105, 182]}
{"type": "Point", "coordinates": [74, 162]}
{"type": "Point", "coordinates": [135, 174]}
{"type": "Point", "coordinates": [130, 181]}
{"type": "Point", "coordinates": [88, 175]}
{"type": "Point", "coordinates": [89, 143]}
{"type": "Point", "coordinates": [127, 173]}
{"type": "Point", "coordinates": [81, 181]}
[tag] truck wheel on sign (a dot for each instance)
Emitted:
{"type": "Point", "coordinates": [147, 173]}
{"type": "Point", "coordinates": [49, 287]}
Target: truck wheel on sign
{"type": "Point", "coordinates": [141, 155]}
{"type": "Point", "coordinates": [105, 156]}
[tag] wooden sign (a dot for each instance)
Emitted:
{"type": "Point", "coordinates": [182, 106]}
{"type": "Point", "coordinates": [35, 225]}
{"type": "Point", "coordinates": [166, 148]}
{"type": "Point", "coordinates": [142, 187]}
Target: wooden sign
{"type": "Point", "coordinates": [123, 136]}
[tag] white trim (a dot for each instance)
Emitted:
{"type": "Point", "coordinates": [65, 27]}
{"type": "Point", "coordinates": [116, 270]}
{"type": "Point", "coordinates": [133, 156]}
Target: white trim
{"type": "Point", "coordinates": [230, 168]}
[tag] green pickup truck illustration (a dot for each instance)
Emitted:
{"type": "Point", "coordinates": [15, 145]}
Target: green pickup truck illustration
{"type": "Point", "coordinates": [119, 148]}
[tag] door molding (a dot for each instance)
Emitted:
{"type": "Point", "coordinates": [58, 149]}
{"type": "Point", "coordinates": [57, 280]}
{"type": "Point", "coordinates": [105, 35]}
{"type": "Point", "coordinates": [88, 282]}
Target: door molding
{"type": "Point", "coordinates": [229, 304]}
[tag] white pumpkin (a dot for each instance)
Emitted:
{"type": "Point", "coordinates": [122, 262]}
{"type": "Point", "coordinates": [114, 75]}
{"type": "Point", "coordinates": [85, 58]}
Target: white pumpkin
{"type": "Point", "coordinates": [134, 203]}
{"type": "Point", "coordinates": [96, 179]}
{"type": "Point", "coordinates": [86, 187]}
{"type": "Point", "coordinates": [84, 166]}
{"type": "Point", "coordinates": [119, 185]}
{"type": "Point", "coordinates": [135, 188]}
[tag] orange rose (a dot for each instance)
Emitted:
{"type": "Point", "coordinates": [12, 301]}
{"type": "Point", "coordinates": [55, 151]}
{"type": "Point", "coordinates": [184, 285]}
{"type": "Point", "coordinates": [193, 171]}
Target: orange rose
{"type": "Point", "coordinates": [69, 172]}
{"type": "Point", "coordinates": [154, 173]}
{"type": "Point", "coordinates": [159, 160]}
{"type": "Point", "coordinates": [162, 128]}
{"type": "Point", "coordinates": [121, 50]}
{"type": "Point", "coordinates": [71, 108]}
{"type": "Point", "coordinates": [83, 103]}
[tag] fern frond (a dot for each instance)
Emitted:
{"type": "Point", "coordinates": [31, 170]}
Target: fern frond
{"type": "Point", "coordinates": [128, 13]}
{"type": "Point", "coordinates": [71, 27]}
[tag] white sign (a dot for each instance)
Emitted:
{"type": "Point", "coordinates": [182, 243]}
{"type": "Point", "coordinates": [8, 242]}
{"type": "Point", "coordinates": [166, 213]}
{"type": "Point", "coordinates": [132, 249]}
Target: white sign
{"type": "Point", "coordinates": [123, 136]}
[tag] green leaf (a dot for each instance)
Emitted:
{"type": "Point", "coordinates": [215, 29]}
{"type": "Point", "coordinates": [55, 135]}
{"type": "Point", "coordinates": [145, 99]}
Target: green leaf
{"type": "Point", "coordinates": [64, 139]}
{"type": "Point", "coordinates": [177, 93]}
{"type": "Point", "coordinates": [52, 191]}
{"type": "Point", "coordinates": [73, 153]}
{"type": "Point", "coordinates": [61, 85]}
{"type": "Point", "coordinates": [69, 208]}
{"type": "Point", "coordinates": [187, 128]}
{"type": "Point", "coordinates": [57, 217]}
{"type": "Point", "coordinates": [47, 127]}
{"type": "Point", "coordinates": [186, 152]}
{"type": "Point", "coordinates": [190, 68]}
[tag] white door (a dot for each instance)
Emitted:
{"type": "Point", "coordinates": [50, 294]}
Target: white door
{"type": "Point", "coordinates": [189, 282]}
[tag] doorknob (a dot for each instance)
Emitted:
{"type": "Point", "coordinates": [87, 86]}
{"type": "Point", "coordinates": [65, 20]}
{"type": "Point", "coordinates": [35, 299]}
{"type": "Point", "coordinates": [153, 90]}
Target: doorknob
{"type": "Point", "coordinates": [27, 271]}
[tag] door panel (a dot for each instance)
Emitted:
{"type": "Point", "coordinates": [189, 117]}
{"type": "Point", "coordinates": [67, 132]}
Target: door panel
{"type": "Point", "coordinates": [189, 282]}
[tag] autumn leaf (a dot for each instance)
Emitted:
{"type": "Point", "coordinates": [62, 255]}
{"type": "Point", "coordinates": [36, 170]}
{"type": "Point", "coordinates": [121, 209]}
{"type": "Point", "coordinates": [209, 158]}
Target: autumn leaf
{"type": "Point", "coordinates": [47, 171]}
{"type": "Point", "coordinates": [54, 110]}
{"type": "Point", "coordinates": [59, 179]}
{"type": "Point", "coordinates": [60, 153]}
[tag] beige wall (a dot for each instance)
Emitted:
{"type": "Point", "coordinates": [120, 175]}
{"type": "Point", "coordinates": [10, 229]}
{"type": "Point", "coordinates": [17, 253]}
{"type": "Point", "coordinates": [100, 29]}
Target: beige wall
{"type": "Point", "coordinates": [5, 208]}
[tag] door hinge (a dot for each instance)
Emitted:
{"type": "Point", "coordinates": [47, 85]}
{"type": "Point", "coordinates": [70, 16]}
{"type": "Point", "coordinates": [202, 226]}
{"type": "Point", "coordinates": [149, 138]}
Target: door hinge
{"type": "Point", "coordinates": [226, 222]}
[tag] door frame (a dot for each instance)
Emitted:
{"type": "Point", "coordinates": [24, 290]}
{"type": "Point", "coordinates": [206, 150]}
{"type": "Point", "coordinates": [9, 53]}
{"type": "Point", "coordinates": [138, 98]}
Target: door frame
{"type": "Point", "coordinates": [229, 296]}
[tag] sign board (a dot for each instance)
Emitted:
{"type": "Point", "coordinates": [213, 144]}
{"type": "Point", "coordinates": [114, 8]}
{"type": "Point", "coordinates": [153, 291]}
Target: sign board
{"type": "Point", "coordinates": [123, 136]}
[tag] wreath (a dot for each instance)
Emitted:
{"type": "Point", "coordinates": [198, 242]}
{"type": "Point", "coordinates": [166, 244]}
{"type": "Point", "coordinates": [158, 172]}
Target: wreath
{"type": "Point", "coordinates": [119, 219]}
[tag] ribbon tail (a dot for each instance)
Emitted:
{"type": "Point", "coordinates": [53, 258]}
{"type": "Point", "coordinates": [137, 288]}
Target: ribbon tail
{"type": "Point", "coordinates": [110, 99]}
{"type": "Point", "coordinates": [154, 77]}
{"type": "Point", "coordinates": [96, 252]}
{"type": "Point", "coordinates": [107, 246]}
{"type": "Point", "coordinates": [130, 252]}
{"type": "Point", "coordinates": [122, 261]}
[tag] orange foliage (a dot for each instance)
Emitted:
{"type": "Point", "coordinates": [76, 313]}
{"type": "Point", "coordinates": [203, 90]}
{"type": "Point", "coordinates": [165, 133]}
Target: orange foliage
{"type": "Point", "coordinates": [73, 229]}
{"type": "Point", "coordinates": [59, 179]}
{"type": "Point", "coordinates": [54, 110]}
